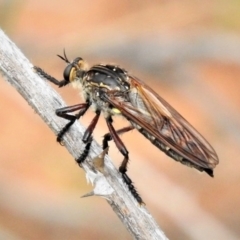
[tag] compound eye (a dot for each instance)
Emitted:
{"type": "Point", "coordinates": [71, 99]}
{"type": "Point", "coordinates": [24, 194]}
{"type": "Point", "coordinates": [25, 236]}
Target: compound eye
{"type": "Point", "coordinates": [78, 60]}
{"type": "Point", "coordinates": [67, 72]}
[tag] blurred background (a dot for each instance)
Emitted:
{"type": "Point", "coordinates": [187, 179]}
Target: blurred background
{"type": "Point", "coordinates": [189, 52]}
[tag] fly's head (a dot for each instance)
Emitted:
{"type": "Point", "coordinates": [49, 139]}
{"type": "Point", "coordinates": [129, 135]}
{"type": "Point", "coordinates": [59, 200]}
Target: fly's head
{"type": "Point", "coordinates": [75, 70]}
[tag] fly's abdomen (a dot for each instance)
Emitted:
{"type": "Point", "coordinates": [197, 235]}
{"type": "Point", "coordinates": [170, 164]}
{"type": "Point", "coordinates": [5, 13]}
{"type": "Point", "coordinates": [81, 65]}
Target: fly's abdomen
{"type": "Point", "coordinates": [168, 151]}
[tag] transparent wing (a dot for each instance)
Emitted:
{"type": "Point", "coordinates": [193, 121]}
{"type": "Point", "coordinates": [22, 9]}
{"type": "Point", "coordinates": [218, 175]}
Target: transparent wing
{"type": "Point", "coordinates": [150, 112]}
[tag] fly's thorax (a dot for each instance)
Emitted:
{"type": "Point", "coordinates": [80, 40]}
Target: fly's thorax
{"type": "Point", "coordinates": [95, 96]}
{"type": "Point", "coordinates": [108, 80]}
{"type": "Point", "coordinates": [105, 108]}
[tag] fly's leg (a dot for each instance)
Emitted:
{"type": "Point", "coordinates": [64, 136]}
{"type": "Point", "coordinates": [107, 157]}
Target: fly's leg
{"type": "Point", "coordinates": [87, 138]}
{"type": "Point", "coordinates": [51, 79]}
{"type": "Point", "coordinates": [88, 133]}
{"type": "Point", "coordinates": [123, 167]}
{"type": "Point", "coordinates": [85, 152]}
{"type": "Point", "coordinates": [107, 137]}
{"type": "Point", "coordinates": [63, 113]}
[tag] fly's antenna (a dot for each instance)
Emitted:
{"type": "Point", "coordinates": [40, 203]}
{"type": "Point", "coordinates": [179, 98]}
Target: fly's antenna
{"type": "Point", "coordinates": [64, 57]}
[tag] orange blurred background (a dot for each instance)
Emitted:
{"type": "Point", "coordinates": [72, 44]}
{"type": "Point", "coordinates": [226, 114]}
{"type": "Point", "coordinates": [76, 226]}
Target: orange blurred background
{"type": "Point", "coordinates": [189, 52]}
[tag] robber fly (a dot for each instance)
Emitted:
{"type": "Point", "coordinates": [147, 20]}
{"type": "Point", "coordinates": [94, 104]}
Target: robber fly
{"type": "Point", "coordinates": [110, 90]}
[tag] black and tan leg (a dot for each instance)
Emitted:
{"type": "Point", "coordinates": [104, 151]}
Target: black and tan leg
{"type": "Point", "coordinates": [63, 113]}
{"type": "Point", "coordinates": [88, 133]}
{"type": "Point", "coordinates": [85, 152]}
{"type": "Point", "coordinates": [107, 137]}
{"type": "Point", "coordinates": [59, 83]}
{"type": "Point", "coordinates": [123, 167]}
{"type": "Point", "coordinates": [87, 138]}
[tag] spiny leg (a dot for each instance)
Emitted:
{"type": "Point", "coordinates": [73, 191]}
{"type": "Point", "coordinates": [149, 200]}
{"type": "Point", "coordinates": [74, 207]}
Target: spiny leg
{"type": "Point", "coordinates": [123, 166]}
{"type": "Point", "coordinates": [63, 113]}
{"type": "Point", "coordinates": [88, 133]}
{"type": "Point", "coordinates": [87, 138]}
{"type": "Point", "coordinates": [85, 152]}
{"type": "Point", "coordinates": [107, 137]}
{"type": "Point", "coordinates": [51, 79]}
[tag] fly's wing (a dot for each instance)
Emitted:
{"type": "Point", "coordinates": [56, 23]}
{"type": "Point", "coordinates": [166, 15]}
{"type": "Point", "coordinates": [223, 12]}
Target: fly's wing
{"type": "Point", "coordinates": [150, 112]}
